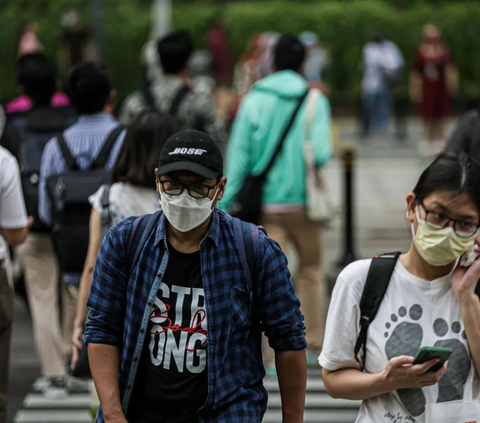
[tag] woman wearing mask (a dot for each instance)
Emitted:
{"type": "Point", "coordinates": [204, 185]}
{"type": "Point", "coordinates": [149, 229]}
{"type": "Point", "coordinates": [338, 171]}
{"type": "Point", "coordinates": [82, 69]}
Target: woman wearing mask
{"type": "Point", "coordinates": [132, 193]}
{"type": "Point", "coordinates": [430, 301]}
{"type": "Point", "coordinates": [433, 82]}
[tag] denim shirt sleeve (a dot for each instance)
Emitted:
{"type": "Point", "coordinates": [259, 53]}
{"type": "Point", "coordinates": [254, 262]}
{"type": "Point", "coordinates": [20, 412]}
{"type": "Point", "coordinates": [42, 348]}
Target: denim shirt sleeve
{"type": "Point", "coordinates": [279, 306]}
{"type": "Point", "coordinates": [107, 298]}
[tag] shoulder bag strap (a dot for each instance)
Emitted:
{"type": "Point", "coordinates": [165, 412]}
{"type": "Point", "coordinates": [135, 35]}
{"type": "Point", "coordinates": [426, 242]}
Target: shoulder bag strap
{"type": "Point", "coordinates": [67, 154]}
{"type": "Point", "coordinates": [284, 135]}
{"type": "Point", "coordinates": [378, 278]}
{"type": "Point", "coordinates": [182, 92]}
{"type": "Point", "coordinates": [104, 154]}
{"type": "Point", "coordinates": [312, 100]}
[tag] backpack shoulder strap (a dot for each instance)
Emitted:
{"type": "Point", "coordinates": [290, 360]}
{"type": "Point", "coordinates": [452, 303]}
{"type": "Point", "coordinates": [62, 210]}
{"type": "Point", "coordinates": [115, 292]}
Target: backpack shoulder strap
{"type": "Point", "coordinates": [247, 238]}
{"type": "Point", "coordinates": [106, 215]}
{"type": "Point", "coordinates": [378, 279]}
{"type": "Point", "coordinates": [182, 92]}
{"type": "Point", "coordinates": [67, 154]}
{"type": "Point", "coordinates": [142, 227]}
{"type": "Point", "coordinates": [102, 158]}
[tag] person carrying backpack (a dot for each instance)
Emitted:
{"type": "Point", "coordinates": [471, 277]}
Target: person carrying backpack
{"type": "Point", "coordinates": [74, 165]}
{"type": "Point", "coordinates": [179, 300]}
{"type": "Point", "coordinates": [174, 93]}
{"type": "Point", "coordinates": [34, 129]}
{"type": "Point", "coordinates": [384, 310]}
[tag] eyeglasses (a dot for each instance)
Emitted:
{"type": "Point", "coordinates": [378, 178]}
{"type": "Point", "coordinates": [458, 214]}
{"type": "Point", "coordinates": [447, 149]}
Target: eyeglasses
{"type": "Point", "coordinates": [437, 220]}
{"type": "Point", "coordinates": [194, 190]}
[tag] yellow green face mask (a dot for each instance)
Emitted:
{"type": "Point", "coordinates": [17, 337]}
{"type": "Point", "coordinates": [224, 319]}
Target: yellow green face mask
{"type": "Point", "coordinates": [439, 247]}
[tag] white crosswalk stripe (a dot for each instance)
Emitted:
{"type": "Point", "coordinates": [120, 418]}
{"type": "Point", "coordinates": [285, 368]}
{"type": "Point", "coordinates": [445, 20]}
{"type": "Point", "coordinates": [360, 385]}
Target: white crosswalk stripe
{"type": "Point", "coordinates": [320, 407]}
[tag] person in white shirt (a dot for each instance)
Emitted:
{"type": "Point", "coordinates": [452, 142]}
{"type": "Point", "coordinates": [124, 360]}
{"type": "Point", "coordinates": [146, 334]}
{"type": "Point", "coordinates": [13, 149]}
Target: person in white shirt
{"type": "Point", "coordinates": [13, 231]}
{"type": "Point", "coordinates": [431, 300]}
{"type": "Point", "coordinates": [382, 65]}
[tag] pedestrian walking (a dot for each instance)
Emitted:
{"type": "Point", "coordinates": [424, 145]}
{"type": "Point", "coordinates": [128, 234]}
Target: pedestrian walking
{"type": "Point", "coordinates": [93, 142]}
{"type": "Point", "coordinates": [258, 131]}
{"type": "Point", "coordinates": [382, 63]}
{"type": "Point", "coordinates": [132, 192]}
{"type": "Point", "coordinates": [433, 82]}
{"type": "Point", "coordinates": [29, 42]}
{"type": "Point", "coordinates": [220, 52]}
{"type": "Point", "coordinates": [383, 311]}
{"type": "Point", "coordinates": [25, 79]}
{"type": "Point", "coordinates": [174, 93]}
{"type": "Point", "coordinates": [13, 231]}
{"type": "Point", "coordinates": [34, 130]}
{"type": "Point", "coordinates": [176, 314]}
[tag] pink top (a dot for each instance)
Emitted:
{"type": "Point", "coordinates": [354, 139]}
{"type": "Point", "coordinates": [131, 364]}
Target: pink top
{"type": "Point", "coordinates": [23, 103]}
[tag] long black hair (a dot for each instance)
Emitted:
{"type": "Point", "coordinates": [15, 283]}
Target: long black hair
{"type": "Point", "coordinates": [458, 174]}
{"type": "Point", "coordinates": [141, 149]}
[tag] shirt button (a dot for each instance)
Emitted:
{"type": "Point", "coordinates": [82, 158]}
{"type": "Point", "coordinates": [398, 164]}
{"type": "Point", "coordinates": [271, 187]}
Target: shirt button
{"type": "Point", "coordinates": [135, 359]}
{"type": "Point", "coordinates": [160, 275]}
{"type": "Point", "coordinates": [142, 331]}
{"type": "Point", "coordinates": [129, 387]}
{"type": "Point", "coordinates": [150, 304]}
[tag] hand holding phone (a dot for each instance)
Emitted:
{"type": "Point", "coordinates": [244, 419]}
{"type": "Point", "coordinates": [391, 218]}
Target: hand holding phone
{"type": "Point", "coordinates": [425, 354]}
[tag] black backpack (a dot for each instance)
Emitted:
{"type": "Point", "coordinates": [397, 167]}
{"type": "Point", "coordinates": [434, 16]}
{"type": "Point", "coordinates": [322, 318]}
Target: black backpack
{"type": "Point", "coordinates": [35, 129]}
{"type": "Point", "coordinates": [70, 207]}
{"type": "Point", "coordinates": [376, 286]}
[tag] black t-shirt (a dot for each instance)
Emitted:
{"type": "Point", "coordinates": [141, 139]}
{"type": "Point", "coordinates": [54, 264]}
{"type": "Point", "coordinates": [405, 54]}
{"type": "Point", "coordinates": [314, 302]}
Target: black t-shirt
{"type": "Point", "coordinates": [172, 384]}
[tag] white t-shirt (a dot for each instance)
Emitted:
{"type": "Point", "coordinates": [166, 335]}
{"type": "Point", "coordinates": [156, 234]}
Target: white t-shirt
{"type": "Point", "coordinates": [13, 214]}
{"type": "Point", "coordinates": [414, 313]}
{"type": "Point", "coordinates": [127, 200]}
{"type": "Point", "coordinates": [377, 58]}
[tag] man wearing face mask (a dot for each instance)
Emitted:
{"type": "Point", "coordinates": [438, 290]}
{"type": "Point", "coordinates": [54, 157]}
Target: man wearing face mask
{"type": "Point", "coordinates": [175, 332]}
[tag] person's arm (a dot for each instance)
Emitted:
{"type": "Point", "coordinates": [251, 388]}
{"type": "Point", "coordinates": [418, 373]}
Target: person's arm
{"type": "Point", "coordinates": [14, 223]}
{"type": "Point", "coordinates": [107, 305]}
{"type": "Point", "coordinates": [464, 283]}
{"type": "Point", "coordinates": [95, 240]}
{"type": "Point", "coordinates": [322, 132]}
{"type": "Point", "coordinates": [104, 363]}
{"type": "Point", "coordinates": [352, 384]}
{"type": "Point", "coordinates": [292, 378]}
{"type": "Point", "coordinates": [279, 313]}
{"type": "Point", "coordinates": [239, 161]}
{"type": "Point", "coordinates": [46, 170]}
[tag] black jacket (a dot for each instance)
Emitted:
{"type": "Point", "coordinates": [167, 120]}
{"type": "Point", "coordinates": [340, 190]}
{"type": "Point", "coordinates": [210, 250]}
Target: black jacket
{"type": "Point", "coordinates": [466, 136]}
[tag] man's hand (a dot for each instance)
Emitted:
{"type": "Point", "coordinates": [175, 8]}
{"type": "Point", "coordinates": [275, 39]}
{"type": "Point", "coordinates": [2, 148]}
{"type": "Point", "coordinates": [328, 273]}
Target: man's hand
{"type": "Point", "coordinates": [400, 373]}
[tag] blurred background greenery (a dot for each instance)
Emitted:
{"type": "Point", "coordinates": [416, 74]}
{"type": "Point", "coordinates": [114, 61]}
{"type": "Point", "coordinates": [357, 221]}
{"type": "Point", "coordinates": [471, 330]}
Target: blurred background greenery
{"type": "Point", "coordinates": [343, 26]}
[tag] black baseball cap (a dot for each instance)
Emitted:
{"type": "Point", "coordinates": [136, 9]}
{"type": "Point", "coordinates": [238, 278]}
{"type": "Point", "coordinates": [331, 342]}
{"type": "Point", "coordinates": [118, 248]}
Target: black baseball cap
{"type": "Point", "coordinates": [193, 151]}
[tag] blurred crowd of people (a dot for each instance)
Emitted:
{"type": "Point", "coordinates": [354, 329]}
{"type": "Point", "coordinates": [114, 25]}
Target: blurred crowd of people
{"type": "Point", "coordinates": [172, 305]}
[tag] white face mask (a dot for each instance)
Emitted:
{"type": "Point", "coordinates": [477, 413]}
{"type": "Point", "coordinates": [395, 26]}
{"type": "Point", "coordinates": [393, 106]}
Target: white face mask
{"type": "Point", "coordinates": [184, 212]}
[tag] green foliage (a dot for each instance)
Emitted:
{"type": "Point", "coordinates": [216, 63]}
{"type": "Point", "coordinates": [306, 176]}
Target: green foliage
{"type": "Point", "coordinates": [344, 27]}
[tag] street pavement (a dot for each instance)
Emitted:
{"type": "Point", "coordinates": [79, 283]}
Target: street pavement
{"type": "Point", "coordinates": [385, 171]}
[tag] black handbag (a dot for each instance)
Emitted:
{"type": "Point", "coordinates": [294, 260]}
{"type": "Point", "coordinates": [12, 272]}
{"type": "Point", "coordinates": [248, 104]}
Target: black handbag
{"type": "Point", "coordinates": [249, 200]}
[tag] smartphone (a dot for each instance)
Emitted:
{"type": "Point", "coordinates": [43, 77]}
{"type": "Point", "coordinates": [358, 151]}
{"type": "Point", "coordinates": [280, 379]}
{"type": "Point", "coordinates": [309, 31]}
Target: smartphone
{"type": "Point", "coordinates": [429, 353]}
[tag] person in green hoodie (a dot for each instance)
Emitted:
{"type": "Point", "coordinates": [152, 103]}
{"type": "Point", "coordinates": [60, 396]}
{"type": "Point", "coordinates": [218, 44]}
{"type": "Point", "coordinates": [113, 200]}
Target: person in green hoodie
{"type": "Point", "coordinates": [263, 115]}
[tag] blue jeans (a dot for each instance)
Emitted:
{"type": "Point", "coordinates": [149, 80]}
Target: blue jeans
{"type": "Point", "coordinates": [376, 111]}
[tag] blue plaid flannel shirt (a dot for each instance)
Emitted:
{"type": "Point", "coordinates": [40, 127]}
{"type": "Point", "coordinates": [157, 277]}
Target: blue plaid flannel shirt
{"type": "Point", "coordinates": [120, 307]}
